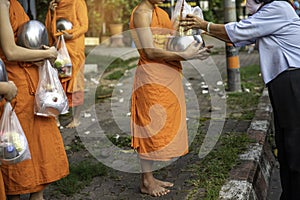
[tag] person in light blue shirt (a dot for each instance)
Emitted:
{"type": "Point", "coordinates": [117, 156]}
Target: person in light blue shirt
{"type": "Point", "coordinates": [275, 27]}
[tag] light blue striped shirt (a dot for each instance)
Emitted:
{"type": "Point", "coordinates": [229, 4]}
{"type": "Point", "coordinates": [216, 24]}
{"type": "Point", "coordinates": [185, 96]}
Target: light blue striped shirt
{"type": "Point", "coordinates": [276, 29]}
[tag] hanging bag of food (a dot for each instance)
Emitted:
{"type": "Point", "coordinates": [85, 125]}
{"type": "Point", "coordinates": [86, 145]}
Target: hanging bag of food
{"type": "Point", "coordinates": [50, 98]}
{"type": "Point", "coordinates": [13, 142]}
{"type": "Point", "coordinates": [63, 63]}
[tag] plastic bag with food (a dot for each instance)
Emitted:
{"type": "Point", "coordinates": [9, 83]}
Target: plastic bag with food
{"type": "Point", "coordinates": [50, 98]}
{"type": "Point", "coordinates": [13, 142]}
{"type": "Point", "coordinates": [63, 63]}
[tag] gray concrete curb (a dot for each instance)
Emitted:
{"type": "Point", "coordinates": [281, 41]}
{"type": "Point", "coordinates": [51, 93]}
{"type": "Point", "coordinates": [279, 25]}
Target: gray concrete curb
{"type": "Point", "coordinates": [250, 179]}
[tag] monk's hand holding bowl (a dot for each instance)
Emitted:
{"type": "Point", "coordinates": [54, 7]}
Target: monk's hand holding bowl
{"type": "Point", "coordinates": [13, 90]}
{"type": "Point", "coordinates": [204, 52]}
{"type": "Point", "coordinates": [196, 51]}
{"type": "Point", "coordinates": [52, 55]}
{"type": "Point", "coordinates": [67, 35]}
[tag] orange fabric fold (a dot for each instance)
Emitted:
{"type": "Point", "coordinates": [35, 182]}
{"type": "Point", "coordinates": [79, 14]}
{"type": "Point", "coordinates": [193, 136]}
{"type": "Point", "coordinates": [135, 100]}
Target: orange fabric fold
{"type": "Point", "coordinates": [158, 112]}
{"type": "Point", "coordinates": [2, 189]}
{"type": "Point", "coordinates": [48, 161]}
{"type": "Point", "coordinates": [74, 11]}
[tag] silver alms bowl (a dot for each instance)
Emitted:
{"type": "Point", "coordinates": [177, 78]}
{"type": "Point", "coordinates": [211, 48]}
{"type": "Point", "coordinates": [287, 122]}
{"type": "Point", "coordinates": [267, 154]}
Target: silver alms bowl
{"type": "Point", "coordinates": [32, 34]}
{"type": "Point", "coordinates": [180, 43]}
{"type": "Point", "coordinates": [3, 73]}
{"type": "Point", "coordinates": [63, 24]}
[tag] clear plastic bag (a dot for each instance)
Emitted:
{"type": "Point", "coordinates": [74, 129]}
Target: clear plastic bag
{"type": "Point", "coordinates": [13, 142]}
{"type": "Point", "coordinates": [63, 63]}
{"type": "Point", "coordinates": [183, 39]}
{"type": "Point", "coordinates": [182, 8]}
{"type": "Point", "coordinates": [50, 98]}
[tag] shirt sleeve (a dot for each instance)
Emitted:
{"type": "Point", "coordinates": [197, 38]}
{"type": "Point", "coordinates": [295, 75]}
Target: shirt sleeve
{"type": "Point", "coordinates": [265, 22]}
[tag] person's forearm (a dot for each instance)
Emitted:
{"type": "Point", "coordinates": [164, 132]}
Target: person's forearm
{"type": "Point", "coordinates": [18, 53]}
{"type": "Point", "coordinates": [160, 54]}
{"type": "Point", "coordinates": [215, 30]}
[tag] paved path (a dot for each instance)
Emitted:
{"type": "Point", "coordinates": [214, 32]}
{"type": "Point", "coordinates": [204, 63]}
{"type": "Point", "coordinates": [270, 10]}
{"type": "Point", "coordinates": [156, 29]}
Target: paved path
{"type": "Point", "coordinates": [112, 115]}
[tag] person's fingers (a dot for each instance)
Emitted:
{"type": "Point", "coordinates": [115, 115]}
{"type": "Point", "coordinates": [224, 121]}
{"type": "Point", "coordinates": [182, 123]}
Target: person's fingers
{"type": "Point", "coordinates": [209, 46]}
{"type": "Point", "coordinates": [12, 91]}
{"type": "Point", "coordinates": [45, 47]}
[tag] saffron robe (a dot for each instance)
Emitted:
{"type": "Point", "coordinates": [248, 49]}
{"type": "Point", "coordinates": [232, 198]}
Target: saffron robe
{"type": "Point", "coordinates": [2, 189]}
{"type": "Point", "coordinates": [48, 161]}
{"type": "Point", "coordinates": [74, 11]}
{"type": "Point", "coordinates": [158, 110]}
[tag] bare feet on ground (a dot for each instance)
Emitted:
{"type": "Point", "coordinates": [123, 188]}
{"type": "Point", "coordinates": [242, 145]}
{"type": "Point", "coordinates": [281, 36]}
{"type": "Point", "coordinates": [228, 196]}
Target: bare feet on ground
{"type": "Point", "coordinates": [163, 183]}
{"type": "Point", "coordinates": [155, 187]}
{"type": "Point", "coordinates": [73, 124]}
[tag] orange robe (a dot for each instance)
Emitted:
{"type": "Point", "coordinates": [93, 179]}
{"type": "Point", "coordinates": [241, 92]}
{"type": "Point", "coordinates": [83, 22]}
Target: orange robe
{"type": "Point", "coordinates": [2, 189]}
{"type": "Point", "coordinates": [158, 111]}
{"type": "Point", "coordinates": [74, 11]}
{"type": "Point", "coordinates": [48, 161]}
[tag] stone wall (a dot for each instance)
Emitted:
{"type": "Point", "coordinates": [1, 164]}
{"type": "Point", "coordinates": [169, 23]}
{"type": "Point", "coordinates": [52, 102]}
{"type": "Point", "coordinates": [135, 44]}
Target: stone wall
{"type": "Point", "coordinates": [250, 179]}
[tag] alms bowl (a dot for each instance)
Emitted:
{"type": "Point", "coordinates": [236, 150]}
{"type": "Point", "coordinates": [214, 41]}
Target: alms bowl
{"type": "Point", "coordinates": [32, 34]}
{"type": "Point", "coordinates": [63, 24]}
{"type": "Point", "coordinates": [3, 73]}
{"type": "Point", "coordinates": [180, 43]}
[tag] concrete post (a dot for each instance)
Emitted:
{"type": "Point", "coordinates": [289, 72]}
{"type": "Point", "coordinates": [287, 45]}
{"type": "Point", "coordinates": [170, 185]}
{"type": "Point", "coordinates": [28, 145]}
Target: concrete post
{"type": "Point", "coordinates": [232, 58]}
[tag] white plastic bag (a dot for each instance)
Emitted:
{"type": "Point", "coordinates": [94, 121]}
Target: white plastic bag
{"type": "Point", "coordinates": [50, 98]}
{"type": "Point", "coordinates": [13, 142]}
{"type": "Point", "coordinates": [180, 11]}
{"type": "Point", "coordinates": [63, 63]}
{"type": "Point", "coordinates": [182, 40]}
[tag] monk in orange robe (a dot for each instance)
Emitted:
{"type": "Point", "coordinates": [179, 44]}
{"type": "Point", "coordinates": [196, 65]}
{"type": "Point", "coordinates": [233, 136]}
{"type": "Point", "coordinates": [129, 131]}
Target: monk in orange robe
{"type": "Point", "coordinates": [8, 90]}
{"type": "Point", "coordinates": [158, 113]}
{"type": "Point", "coordinates": [74, 11]}
{"type": "Point", "coordinates": [48, 161]}
{"type": "Point", "coordinates": [2, 189]}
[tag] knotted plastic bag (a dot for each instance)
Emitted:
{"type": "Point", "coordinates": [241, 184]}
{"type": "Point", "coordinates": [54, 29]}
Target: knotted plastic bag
{"type": "Point", "coordinates": [182, 8]}
{"type": "Point", "coordinates": [183, 39]}
{"type": "Point", "coordinates": [63, 63]}
{"type": "Point", "coordinates": [50, 98]}
{"type": "Point", "coordinates": [13, 142]}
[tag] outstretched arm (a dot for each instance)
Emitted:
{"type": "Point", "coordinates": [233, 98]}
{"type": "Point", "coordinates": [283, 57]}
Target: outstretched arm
{"type": "Point", "coordinates": [11, 50]}
{"type": "Point", "coordinates": [215, 30]}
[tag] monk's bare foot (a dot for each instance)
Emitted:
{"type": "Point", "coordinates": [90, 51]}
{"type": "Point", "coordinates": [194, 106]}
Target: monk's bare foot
{"type": "Point", "coordinates": [163, 183]}
{"type": "Point", "coordinates": [73, 124]}
{"type": "Point", "coordinates": [57, 122]}
{"type": "Point", "coordinates": [153, 188]}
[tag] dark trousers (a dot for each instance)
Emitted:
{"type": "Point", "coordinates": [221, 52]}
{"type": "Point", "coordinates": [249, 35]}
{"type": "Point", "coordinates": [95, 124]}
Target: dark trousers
{"type": "Point", "coordinates": [284, 92]}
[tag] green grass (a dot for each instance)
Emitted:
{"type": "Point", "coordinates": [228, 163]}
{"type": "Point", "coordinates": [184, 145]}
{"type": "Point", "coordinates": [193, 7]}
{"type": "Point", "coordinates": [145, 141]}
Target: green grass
{"type": "Point", "coordinates": [213, 170]}
{"type": "Point", "coordinates": [116, 75]}
{"type": "Point", "coordinates": [76, 145]}
{"type": "Point", "coordinates": [121, 141]}
{"type": "Point", "coordinates": [103, 91]}
{"type": "Point", "coordinates": [118, 67]}
{"type": "Point", "coordinates": [246, 102]}
{"type": "Point", "coordinates": [81, 174]}
{"type": "Point", "coordinates": [113, 72]}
